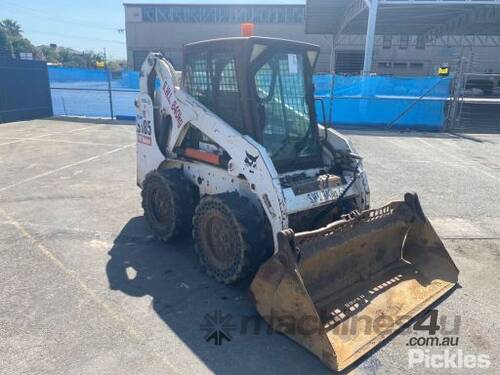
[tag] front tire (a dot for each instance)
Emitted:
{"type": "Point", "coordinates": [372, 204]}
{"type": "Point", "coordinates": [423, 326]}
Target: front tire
{"type": "Point", "coordinates": [229, 237]}
{"type": "Point", "coordinates": [168, 203]}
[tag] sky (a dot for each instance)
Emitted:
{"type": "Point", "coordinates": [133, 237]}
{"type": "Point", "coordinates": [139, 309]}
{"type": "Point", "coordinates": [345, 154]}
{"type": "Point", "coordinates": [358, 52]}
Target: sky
{"type": "Point", "coordinates": [86, 24]}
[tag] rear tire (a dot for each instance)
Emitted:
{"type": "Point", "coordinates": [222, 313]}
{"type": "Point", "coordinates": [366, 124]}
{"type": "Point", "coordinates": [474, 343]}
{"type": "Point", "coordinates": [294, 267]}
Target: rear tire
{"type": "Point", "coordinates": [230, 237]}
{"type": "Point", "coordinates": [168, 203]}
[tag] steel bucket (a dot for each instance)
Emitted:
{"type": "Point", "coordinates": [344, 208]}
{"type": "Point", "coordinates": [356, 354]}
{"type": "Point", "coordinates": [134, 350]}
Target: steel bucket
{"type": "Point", "coordinates": [342, 289]}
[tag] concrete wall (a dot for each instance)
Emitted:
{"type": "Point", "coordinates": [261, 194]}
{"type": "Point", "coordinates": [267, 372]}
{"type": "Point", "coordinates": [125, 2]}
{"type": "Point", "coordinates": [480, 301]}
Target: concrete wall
{"type": "Point", "coordinates": [482, 55]}
{"type": "Point", "coordinates": [169, 38]}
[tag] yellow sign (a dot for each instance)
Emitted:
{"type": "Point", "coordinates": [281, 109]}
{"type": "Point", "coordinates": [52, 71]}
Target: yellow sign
{"type": "Point", "coordinates": [99, 64]}
{"type": "Point", "coordinates": [444, 71]}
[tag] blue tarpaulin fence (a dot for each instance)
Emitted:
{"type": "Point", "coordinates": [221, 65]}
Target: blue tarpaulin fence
{"type": "Point", "coordinates": [349, 101]}
{"type": "Point", "coordinates": [379, 102]}
{"type": "Point", "coordinates": [85, 92]}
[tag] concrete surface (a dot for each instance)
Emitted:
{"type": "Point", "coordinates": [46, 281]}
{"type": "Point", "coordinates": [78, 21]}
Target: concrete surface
{"type": "Point", "coordinates": [85, 288]}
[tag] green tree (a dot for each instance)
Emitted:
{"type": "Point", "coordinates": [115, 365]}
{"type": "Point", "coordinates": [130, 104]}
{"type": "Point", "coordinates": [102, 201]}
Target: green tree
{"type": "Point", "coordinates": [117, 65]}
{"type": "Point", "coordinates": [50, 54]}
{"type": "Point", "coordinates": [14, 33]}
{"type": "Point", "coordinates": [11, 28]}
{"type": "Point", "coordinates": [5, 45]}
{"type": "Point", "coordinates": [22, 45]}
{"type": "Point", "coordinates": [12, 43]}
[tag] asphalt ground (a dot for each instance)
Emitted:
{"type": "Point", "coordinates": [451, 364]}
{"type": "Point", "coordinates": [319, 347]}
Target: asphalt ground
{"type": "Point", "coordinates": [85, 288]}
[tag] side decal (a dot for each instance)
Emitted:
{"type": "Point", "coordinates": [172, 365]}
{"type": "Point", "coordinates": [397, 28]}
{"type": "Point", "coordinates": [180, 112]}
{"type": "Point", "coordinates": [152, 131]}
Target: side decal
{"type": "Point", "coordinates": [143, 130]}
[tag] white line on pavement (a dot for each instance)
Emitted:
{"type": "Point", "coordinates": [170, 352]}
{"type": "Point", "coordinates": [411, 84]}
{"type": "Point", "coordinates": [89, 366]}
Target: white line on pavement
{"type": "Point", "coordinates": [65, 167]}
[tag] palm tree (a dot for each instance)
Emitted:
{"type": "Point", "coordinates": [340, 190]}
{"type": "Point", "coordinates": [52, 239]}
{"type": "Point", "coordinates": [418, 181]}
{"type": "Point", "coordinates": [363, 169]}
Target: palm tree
{"type": "Point", "coordinates": [11, 28]}
{"type": "Point", "coordinates": [5, 45]}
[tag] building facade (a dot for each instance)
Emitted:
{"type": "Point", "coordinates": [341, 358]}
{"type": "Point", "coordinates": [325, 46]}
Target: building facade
{"type": "Point", "coordinates": [167, 27]}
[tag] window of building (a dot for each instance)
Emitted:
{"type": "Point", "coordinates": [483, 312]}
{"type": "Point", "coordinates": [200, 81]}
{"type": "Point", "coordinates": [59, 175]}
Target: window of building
{"type": "Point", "coordinates": [417, 66]}
{"type": "Point", "coordinates": [420, 42]}
{"type": "Point", "coordinates": [224, 14]}
{"type": "Point", "coordinates": [149, 14]}
{"type": "Point", "coordinates": [164, 14]}
{"type": "Point", "coordinates": [349, 62]}
{"type": "Point", "coordinates": [387, 42]}
{"type": "Point", "coordinates": [404, 41]}
{"type": "Point", "coordinates": [178, 14]}
{"type": "Point", "coordinates": [384, 65]}
{"type": "Point", "coordinates": [400, 66]}
{"type": "Point", "coordinates": [281, 16]}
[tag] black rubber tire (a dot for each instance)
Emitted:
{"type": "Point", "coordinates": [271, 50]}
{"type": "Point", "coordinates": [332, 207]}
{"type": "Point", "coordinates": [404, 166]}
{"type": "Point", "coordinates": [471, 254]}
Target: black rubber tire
{"type": "Point", "coordinates": [232, 222]}
{"type": "Point", "coordinates": [173, 218]}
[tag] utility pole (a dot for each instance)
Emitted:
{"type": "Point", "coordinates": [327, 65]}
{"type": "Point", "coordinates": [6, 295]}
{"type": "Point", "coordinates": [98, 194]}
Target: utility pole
{"type": "Point", "coordinates": [370, 35]}
{"type": "Point", "coordinates": [108, 75]}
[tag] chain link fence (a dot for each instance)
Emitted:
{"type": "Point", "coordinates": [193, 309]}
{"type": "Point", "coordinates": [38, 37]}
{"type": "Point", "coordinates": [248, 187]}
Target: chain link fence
{"type": "Point", "coordinates": [477, 103]}
{"type": "Point", "coordinates": [475, 106]}
{"type": "Point", "coordinates": [467, 101]}
{"type": "Point", "coordinates": [93, 93]}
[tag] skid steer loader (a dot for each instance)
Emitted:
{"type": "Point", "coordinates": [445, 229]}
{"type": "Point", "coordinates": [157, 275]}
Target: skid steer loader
{"type": "Point", "coordinates": [233, 152]}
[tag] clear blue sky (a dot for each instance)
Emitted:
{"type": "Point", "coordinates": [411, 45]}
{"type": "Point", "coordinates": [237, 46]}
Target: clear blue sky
{"type": "Point", "coordinates": [85, 24]}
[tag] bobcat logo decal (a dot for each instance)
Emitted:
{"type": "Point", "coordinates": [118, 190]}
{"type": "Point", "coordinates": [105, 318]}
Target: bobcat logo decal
{"type": "Point", "coordinates": [251, 161]}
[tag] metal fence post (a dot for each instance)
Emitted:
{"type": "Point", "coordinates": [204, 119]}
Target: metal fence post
{"type": "Point", "coordinates": [108, 76]}
{"type": "Point", "coordinates": [110, 93]}
{"type": "Point", "coordinates": [330, 111]}
{"type": "Point", "coordinates": [370, 36]}
{"type": "Point", "coordinates": [457, 91]}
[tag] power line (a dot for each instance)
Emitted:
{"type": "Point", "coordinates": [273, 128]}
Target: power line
{"type": "Point", "coordinates": [77, 36]}
{"type": "Point", "coordinates": [65, 19]}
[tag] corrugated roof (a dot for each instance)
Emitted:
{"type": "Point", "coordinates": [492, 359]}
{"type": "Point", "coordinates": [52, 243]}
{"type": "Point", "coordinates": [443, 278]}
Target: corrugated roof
{"type": "Point", "coordinates": [405, 17]}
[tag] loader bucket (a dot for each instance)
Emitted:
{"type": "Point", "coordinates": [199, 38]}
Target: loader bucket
{"type": "Point", "coordinates": [342, 289]}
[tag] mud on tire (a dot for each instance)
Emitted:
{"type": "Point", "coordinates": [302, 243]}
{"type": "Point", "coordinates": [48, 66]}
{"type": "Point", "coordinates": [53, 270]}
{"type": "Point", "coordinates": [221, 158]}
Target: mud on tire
{"type": "Point", "coordinates": [230, 237]}
{"type": "Point", "coordinates": [168, 200]}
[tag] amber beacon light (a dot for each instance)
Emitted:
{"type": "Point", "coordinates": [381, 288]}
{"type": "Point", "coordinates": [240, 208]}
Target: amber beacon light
{"type": "Point", "coordinates": [247, 29]}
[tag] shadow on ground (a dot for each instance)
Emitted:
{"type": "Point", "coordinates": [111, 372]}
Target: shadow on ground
{"type": "Point", "coordinates": [182, 297]}
{"type": "Point", "coordinates": [395, 133]}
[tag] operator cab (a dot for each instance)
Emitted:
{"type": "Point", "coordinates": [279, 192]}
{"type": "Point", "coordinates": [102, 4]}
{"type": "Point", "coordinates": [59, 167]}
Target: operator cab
{"type": "Point", "coordinates": [263, 88]}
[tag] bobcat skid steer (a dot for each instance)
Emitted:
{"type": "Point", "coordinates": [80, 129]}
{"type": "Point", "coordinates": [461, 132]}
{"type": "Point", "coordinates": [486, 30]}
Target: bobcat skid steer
{"type": "Point", "coordinates": [233, 152]}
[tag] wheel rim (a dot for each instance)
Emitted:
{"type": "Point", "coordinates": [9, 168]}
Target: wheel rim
{"type": "Point", "coordinates": [222, 242]}
{"type": "Point", "coordinates": [161, 207]}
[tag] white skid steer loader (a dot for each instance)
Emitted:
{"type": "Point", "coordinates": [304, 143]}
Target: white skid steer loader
{"type": "Point", "coordinates": [234, 153]}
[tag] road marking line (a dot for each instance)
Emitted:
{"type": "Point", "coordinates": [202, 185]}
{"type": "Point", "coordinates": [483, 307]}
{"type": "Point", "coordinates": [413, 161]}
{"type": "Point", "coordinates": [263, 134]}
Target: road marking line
{"type": "Point", "coordinates": [455, 227]}
{"type": "Point", "coordinates": [25, 139]}
{"type": "Point", "coordinates": [83, 128]}
{"type": "Point", "coordinates": [73, 275]}
{"type": "Point", "coordinates": [19, 140]}
{"type": "Point", "coordinates": [61, 141]}
{"type": "Point", "coordinates": [65, 167]}
{"type": "Point", "coordinates": [12, 142]}
{"type": "Point", "coordinates": [75, 230]}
